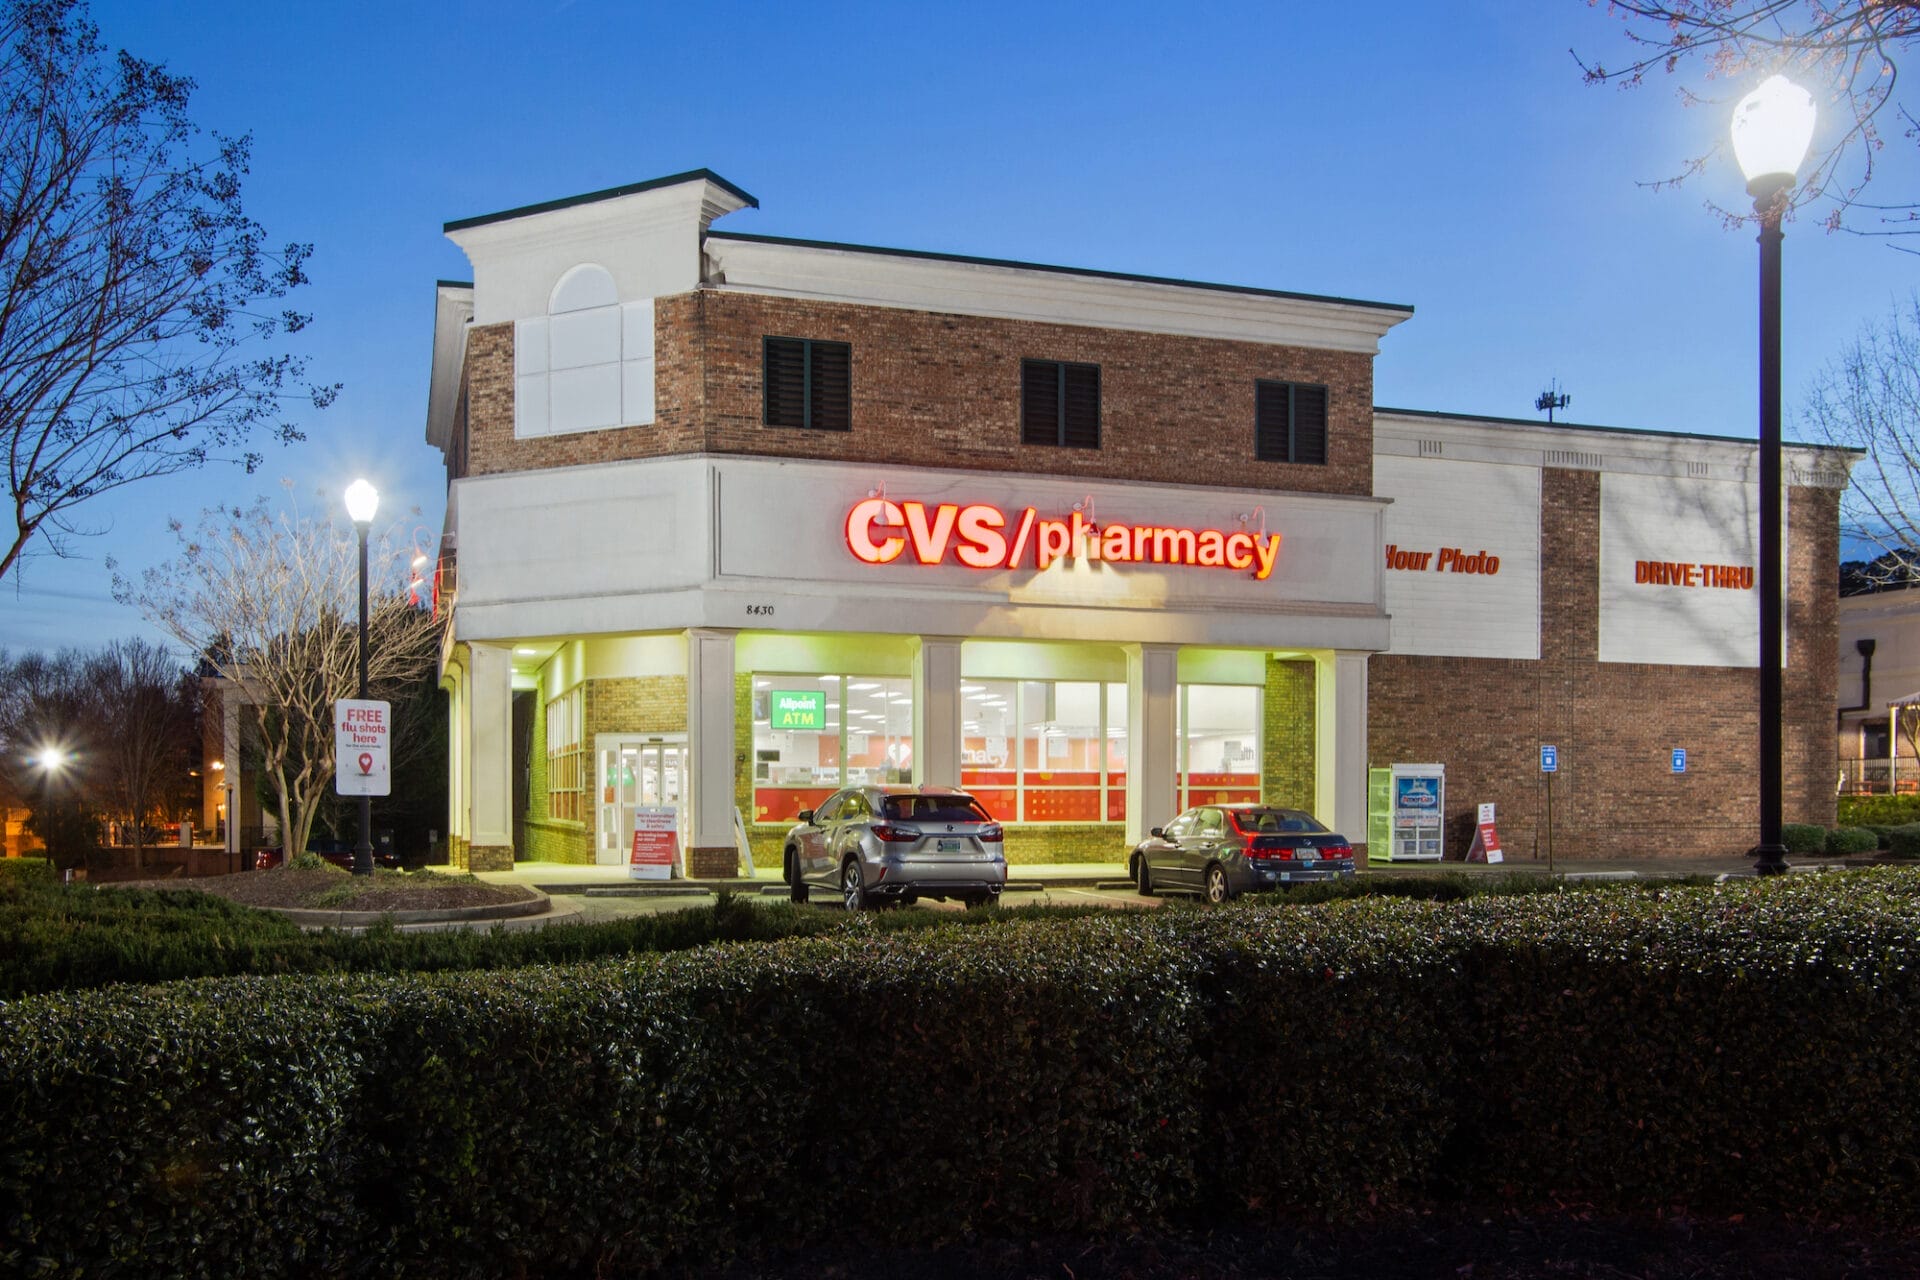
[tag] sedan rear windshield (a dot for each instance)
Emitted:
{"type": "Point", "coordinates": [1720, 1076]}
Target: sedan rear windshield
{"type": "Point", "coordinates": [1260, 822]}
{"type": "Point", "coordinates": [935, 809]}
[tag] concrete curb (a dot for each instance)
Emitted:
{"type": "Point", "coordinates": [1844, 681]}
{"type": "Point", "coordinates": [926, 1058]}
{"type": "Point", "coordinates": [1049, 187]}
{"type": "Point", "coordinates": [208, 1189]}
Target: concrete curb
{"type": "Point", "coordinates": [315, 917]}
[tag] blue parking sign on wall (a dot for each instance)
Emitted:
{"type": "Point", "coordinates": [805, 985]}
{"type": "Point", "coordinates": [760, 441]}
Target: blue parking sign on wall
{"type": "Point", "coordinates": [1679, 759]}
{"type": "Point", "coordinates": [1549, 759]}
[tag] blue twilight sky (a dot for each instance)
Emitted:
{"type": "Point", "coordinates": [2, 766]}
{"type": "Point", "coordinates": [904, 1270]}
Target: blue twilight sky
{"type": "Point", "coordinates": [1442, 155]}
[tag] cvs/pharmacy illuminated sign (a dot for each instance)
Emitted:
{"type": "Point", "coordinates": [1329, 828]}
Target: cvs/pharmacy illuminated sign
{"type": "Point", "coordinates": [982, 536]}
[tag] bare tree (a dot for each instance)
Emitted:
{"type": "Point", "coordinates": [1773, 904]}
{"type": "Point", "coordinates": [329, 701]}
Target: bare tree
{"type": "Point", "coordinates": [1847, 52]}
{"type": "Point", "coordinates": [272, 601]}
{"type": "Point", "coordinates": [146, 743]}
{"type": "Point", "coordinates": [137, 299]}
{"type": "Point", "coordinates": [1868, 398]}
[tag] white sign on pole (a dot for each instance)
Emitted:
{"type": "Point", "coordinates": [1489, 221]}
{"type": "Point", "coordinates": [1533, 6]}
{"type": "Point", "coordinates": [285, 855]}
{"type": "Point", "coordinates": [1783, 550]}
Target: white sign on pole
{"type": "Point", "coordinates": [361, 735]}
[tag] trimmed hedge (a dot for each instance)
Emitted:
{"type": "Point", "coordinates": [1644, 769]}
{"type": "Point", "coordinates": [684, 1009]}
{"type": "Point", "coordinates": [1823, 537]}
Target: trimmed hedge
{"type": "Point", "coordinates": [62, 938]}
{"type": "Point", "coordinates": [1852, 840]}
{"type": "Point", "coordinates": [1904, 842]}
{"type": "Point", "coordinates": [1803, 837]}
{"type": "Point", "coordinates": [1627, 1050]}
{"type": "Point", "coordinates": [1879, 811]}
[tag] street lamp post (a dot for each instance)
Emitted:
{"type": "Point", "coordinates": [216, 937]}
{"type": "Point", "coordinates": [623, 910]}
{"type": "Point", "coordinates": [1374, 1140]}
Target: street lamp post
{"type": "Point", "coordinates": [362, 501]}
{"type": "Point", "coordinates": [1772, 127]}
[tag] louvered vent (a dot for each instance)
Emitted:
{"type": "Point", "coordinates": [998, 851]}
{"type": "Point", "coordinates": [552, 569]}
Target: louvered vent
{"type": "Point", "coordinates": [1289, 422]}
{"type": "Point", "coordinates": [807, 384]}
{"type": "Point", "coordinates": [1060, 404]}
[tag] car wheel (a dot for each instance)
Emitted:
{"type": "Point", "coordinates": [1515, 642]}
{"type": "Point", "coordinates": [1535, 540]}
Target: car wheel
{"type": "Point", "coordinates": [1217, 890]}
{"type": "Point", "coordinates": [1143, 875]}
{"type": "Point", "coordinates": [853, 889]}
{"type": "Point", "coordinates": [796, 887]}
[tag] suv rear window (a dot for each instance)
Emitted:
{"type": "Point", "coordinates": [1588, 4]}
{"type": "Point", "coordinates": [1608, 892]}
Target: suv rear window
{"type": "Point", "coordinates": [935, 809]}
{"type": "Point", "coordinates": [1260, 822]}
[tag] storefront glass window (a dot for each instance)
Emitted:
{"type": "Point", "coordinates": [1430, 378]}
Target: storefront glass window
{"type": "Point", "coordinates": [814, 734]}
{"type": "Point", "coordinates": [1045, 750]}
{"type": "Point", "coordinates": [1219, 744]}
{"type": "Point", "coordinates": [1060, 742]}
{"type": "Point", "coordinates": [566, 758]}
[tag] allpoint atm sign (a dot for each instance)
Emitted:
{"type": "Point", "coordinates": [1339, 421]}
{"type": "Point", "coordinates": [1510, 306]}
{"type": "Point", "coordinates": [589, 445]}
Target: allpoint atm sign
{"type": "Point", "coordinates": [982, 536]}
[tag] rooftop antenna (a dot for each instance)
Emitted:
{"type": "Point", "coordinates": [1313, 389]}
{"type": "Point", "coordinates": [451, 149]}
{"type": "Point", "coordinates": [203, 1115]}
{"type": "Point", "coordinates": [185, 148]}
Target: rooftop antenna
{"type": "Point", "coordinates": [1552, 398]}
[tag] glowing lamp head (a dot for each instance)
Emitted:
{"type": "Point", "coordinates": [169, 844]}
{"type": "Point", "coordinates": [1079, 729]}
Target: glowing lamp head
{"type": "Point", "coordinates": [52, 759]}
{"type": "Point", "coordinates": [1772, 128]}
{"type": "Point", "coordinates": [362, 501]}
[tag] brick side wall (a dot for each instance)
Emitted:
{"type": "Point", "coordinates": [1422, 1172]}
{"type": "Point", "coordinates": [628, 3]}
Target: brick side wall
{"type": "Point", "coordinates": [1615, 723]}
{"type": "Point", "coordinates": [944, 390]}
{"type": "Point", "coordinates": [1286, 770]}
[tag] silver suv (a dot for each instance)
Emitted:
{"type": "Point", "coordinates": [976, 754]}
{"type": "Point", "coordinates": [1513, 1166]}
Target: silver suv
{"type": "Point", "coordinates": [895, 845]}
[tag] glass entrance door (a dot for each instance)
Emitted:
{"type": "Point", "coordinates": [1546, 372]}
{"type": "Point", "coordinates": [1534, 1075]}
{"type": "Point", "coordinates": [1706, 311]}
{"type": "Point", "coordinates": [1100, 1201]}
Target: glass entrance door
{"type": "Point", "coordinates": [636, 771]}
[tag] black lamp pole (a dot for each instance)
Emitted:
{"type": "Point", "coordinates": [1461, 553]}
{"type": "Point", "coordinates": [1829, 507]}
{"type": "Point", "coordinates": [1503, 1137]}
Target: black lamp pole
{"type": "Point", "coordinates": [1770, 203]}
{"type": "Point", "coordinates": [363, 852]}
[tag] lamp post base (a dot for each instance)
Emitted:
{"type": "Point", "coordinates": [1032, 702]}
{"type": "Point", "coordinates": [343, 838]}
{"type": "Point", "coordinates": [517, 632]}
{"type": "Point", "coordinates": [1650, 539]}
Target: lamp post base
{"type": "Point", "coordinates": [1769, 859]}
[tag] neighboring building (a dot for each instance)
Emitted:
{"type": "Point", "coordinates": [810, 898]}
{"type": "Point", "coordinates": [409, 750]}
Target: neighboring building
{"type": "Point", "coordinates": [1879, 666]}
{"type": "Point", "coordinates": [740, 520]}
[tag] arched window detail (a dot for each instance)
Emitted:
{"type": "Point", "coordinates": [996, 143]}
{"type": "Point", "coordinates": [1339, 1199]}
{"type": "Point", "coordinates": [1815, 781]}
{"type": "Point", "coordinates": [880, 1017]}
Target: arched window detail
{"type": "Point", "coordinates": [587, 364]}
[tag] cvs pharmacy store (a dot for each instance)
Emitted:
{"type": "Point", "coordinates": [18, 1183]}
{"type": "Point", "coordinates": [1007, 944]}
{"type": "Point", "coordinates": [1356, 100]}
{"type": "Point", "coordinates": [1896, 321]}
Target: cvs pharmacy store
{"type": "Point", "coordinates": [735, 521]}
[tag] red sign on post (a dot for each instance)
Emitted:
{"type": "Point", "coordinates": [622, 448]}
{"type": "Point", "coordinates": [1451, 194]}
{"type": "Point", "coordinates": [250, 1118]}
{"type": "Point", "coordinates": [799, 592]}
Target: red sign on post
{"type": "Point", "coordinates": [656, 844]}
{"type": "Point", "coordinates": [1486, 840]}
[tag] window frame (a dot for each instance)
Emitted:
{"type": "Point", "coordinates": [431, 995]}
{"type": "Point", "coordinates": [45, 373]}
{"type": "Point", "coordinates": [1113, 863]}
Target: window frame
{"type": "Point", "coordinates": [1289, 431]}
{"type": "Point", "coordinates": [808, 371]}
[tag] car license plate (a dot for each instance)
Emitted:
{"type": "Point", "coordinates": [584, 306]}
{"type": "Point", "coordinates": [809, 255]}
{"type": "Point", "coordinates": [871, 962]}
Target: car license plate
{"type": "Point", "coordinates": [951, 846]}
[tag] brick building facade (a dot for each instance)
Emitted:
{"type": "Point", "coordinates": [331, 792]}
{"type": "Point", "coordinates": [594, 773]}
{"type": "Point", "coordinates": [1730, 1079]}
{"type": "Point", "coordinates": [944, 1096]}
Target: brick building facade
{"type": "Point", "coordinates": [1094, 546]}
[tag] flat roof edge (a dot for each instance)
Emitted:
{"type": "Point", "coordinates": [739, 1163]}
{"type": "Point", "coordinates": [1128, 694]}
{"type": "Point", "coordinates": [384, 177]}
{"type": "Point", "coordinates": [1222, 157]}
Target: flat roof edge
{"type": "Point", "coordinates": [1617, 431]}
{"type": "Point", "coordinates": [969, 260]}
{"type": "Point", "coordinates": [567, 202]}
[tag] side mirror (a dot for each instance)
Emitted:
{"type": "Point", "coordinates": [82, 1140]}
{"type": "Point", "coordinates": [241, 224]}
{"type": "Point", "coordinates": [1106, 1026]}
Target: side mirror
{"type": "Point", "coordinates": [805, 815]}
{"type": "Point", "coordinates": [1158, 833]}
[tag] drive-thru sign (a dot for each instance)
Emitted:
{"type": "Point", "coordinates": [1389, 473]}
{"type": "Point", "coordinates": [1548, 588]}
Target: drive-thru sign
{"type": "Point", "coordinates": [361, 734]}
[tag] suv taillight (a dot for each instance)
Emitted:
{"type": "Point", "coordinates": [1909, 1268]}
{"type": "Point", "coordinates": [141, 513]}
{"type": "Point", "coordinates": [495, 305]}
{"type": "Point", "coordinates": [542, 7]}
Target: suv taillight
{"type": "Point", "coordinates": [992, 834]}
{"type": "Point", "coordinates": [1337, 851]}
{"type": "Point", "coordinates": [894, 835]}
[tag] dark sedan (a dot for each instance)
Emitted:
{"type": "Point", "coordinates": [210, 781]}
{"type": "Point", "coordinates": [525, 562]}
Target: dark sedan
{"type": "Point", "coordinates": [1223, 850]}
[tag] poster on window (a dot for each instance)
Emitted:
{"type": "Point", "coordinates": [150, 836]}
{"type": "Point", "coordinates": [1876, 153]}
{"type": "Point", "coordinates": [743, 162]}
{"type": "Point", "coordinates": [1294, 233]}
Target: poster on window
{"type": "Point", "coordinates": [656, 843]}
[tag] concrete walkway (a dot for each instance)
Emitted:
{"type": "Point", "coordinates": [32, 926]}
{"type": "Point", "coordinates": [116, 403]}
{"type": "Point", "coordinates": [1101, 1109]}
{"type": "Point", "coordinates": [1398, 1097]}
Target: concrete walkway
{"type": "Point", "coordinates": [559, 878]}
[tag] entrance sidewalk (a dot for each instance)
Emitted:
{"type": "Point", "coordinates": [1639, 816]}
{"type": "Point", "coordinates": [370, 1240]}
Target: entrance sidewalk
{"type": "Point", "coordinates": [569, 878]}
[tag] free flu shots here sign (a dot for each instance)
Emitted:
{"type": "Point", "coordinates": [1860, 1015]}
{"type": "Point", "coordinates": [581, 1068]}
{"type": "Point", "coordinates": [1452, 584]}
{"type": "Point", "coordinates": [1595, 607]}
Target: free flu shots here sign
{"type": "Point", "coordinates": [362, 734]}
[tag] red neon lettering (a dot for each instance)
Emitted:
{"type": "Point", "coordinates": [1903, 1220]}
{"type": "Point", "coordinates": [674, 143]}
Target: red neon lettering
{"type": "Point", "coordinates": [861, 522]}
{"type": "Point", "coordinates": [981, 547]}
{"type": "Point", "coordinates": [930, 544]}
{"type": "Point", "coordinates": [1020, 538]}
{"type": "Point", "coordinates": [1240, 551]}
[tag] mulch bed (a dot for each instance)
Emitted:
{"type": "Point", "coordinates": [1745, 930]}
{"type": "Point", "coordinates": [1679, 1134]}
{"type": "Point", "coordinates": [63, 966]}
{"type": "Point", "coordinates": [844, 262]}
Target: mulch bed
{"type": "Point", "coordinates": [386, 891]}
{"type": "Point", "coordinates": [1502, 1246]}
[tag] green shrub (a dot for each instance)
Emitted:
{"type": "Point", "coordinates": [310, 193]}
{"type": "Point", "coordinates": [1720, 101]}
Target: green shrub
{"type": "Point", "coordinates": [1879, 811]}
{"type": "Point", "coordinates": [1881, 832]}
{"type": "Point", "coordinates": [1803, 837]}
{"type": "Point", "coordinates": [61, 937]}
{"type": "Point", "coordinates": [1847, 841]}
{"type": "Point", "coordinates": [1076, 1076]}
{"type": "Point", "coordinates": [1904, 842]}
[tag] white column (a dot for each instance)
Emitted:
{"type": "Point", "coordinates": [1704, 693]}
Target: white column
{"type": "Point", "coordinates": [710, 776]}
{"type": "Point", "coordinates": [1340, 741]}
{"type": "Point", "coordinates": [1153, 682]}
{"type": "Point", "coordinates": [455, 684]}
{"type": "Point", "coordinates": [938, 712]}
{"type": "Point", "coordinates": [490, 745]}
